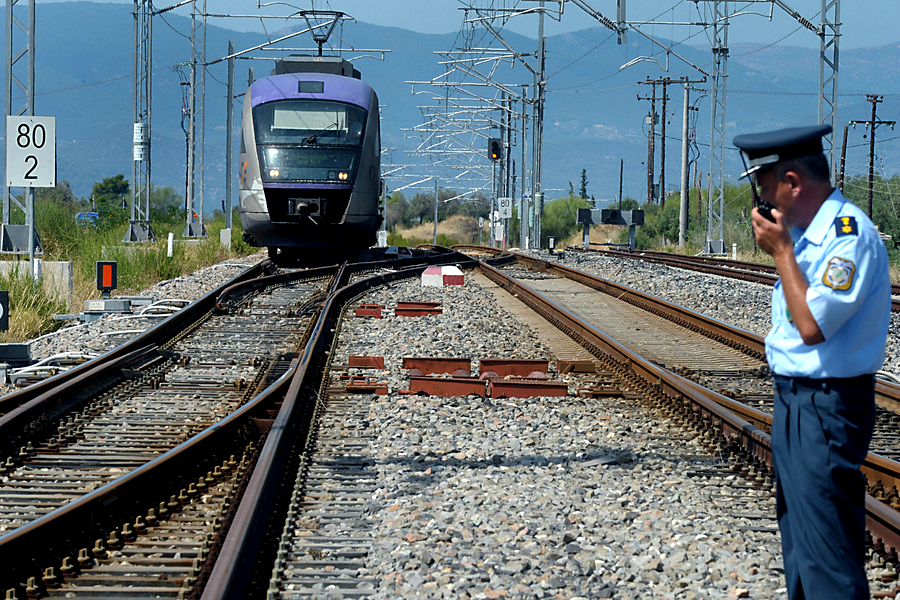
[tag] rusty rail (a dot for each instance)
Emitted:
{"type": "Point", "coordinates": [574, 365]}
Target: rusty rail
{"type": "Point", "coordinates": [245, 559]}
{"type": "Point", "coordinates": [732, 422]}
{"type": "Point", "coordinates": [25, 410]}
{"type": "Point", "coordinates": [735, 269]}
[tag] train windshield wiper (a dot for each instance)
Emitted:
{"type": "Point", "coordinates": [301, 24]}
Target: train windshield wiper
{"type": "Point", "coordinates": [313, 139]}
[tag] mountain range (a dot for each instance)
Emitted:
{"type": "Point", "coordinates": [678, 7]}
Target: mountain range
{"type": "Point", "coordinates": [593, 116]}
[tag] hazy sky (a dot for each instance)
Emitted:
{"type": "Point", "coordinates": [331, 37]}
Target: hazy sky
{"type": "Point", "coordinates": [864, 23]}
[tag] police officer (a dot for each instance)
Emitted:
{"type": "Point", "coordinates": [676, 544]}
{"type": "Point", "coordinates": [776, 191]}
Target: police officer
{"type": "Point", "coordinates": [830, 316]}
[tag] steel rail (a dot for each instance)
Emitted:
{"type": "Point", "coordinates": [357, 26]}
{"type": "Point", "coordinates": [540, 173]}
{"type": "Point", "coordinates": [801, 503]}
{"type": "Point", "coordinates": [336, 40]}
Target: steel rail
{"type": "Point", "coordinates": [738, 337]}
{"type": "Point", "coordinates": [240, 291]}
{"type": "Point", "coordinates": [61, 532]}
{"type": "Point", "coordinates": [730, 335]}
{"type": "Point", "coordinates": [244, 557]}
{"type": "Point", "coordinates": [164, 330]}
{"type": "Point", "coordinates": [732, 421]}
{"type": "Point", "coordinates": [734, 269]}
{"type": "Point", "coordinates": [664, 382]}
{"type": "Point", "coordinates": [25, 412]}
{"type": "Point", "coordinates": [689, 261]}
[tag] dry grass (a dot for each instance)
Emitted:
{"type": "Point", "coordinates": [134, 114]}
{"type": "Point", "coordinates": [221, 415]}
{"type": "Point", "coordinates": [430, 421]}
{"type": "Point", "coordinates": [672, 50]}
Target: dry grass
{"type": "Point", "coordinates": [600, 234]}
{"type": "Point", "coordinates": [459, 227]}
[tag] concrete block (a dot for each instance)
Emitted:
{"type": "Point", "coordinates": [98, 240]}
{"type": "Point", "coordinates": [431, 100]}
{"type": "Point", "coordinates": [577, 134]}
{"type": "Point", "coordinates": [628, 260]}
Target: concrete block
{"type": "Point", "coordinates": [57, 277]}
{"type": "Point", "coordinates": [441, 276]}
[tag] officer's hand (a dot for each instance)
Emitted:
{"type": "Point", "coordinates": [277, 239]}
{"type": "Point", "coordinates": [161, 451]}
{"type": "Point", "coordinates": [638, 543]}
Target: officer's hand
{"type": "Point", "coordinates": [771, 237]}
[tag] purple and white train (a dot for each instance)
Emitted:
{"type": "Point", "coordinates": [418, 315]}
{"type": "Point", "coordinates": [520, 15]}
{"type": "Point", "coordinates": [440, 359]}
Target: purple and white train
{"type": "Point", "coordinates": [310, 160]}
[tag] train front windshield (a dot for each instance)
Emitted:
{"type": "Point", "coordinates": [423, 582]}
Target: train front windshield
{"type": "Point", "coordinates": [309, 141]}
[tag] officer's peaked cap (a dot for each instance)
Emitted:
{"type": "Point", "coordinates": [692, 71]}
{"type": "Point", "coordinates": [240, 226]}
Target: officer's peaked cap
{"type": "Point", "coordinates": [768, 148]}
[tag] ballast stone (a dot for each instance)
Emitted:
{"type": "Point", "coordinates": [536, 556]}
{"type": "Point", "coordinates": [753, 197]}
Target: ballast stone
{"type": "Point", "coordinates": [441, 276]}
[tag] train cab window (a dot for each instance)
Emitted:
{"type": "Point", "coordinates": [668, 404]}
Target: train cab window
{"type": "Point", "coordinates": [309, 122]}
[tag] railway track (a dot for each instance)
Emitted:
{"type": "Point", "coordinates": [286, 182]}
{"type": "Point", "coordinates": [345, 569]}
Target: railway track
{"type": "Point", "coordinates": [724, 267]}
{"type": "Point", "coordinates": [129, 455]}
{"type": "Point", "coordinates": [323, 540]}
{"type": "Point", "coordinates": [115, 451]}
{"type": "Point", "coordinates": [738, 387]}
{"type": "Point", "coordinates": [280, 507]}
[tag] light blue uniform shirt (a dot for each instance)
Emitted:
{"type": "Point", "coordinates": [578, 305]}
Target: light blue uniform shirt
{"type": "Point", "coordinates": [846, 265]}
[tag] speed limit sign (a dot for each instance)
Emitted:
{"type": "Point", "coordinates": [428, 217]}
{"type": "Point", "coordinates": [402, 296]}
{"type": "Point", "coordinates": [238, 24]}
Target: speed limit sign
{"type": "Point", "coordinates": [30, 151]}
{"type": "Point", "coordinates": [504, 206]}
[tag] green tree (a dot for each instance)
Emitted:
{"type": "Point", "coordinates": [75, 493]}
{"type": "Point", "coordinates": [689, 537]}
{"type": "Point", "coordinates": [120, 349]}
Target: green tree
{"type": "Point", "coordinates": [110, 201]}
{"type": "Point", "coordinates": [559, 218]}
{"type": "Point", "coordinates": [449, 203]}
{"type": "Point", "coordinates": [629, 203]}
{"type": "Point", "coordinates": [582, 190]}
{"type": "Point", "coordinates": [476, 205]}
{"type": "Point", "coordinates": [167, 206]}
{"type": "Point", "coordinates": [396, 211]}
{"type": "Point", "coordinates": [421, 208]}
{"type": "Point", "coordinates": [111, 191]}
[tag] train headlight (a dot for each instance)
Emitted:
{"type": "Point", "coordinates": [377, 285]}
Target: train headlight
{"type": "Point", "coordinates": [274, 173]}
{"type": "Point", "coordinates": [343, 176]}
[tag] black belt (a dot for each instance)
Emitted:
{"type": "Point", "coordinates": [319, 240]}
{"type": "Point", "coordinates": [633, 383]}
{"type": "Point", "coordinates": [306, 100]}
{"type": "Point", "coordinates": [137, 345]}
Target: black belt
{"type": "Point", "coordinates": [827, 383]}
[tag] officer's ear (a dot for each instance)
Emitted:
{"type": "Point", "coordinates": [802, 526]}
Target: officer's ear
{"type": "Point", "coordinates": [794, 179]}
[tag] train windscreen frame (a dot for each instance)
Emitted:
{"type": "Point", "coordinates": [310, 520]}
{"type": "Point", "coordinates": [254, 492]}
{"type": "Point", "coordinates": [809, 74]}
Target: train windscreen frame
{"type": "Point", "coordinates": [309, 141]}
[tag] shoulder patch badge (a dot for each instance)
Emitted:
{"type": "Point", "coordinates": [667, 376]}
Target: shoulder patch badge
{"type": "Point", "coordinates": [839, 273]}
{"type": "Point", "coordinates": [845, 226]}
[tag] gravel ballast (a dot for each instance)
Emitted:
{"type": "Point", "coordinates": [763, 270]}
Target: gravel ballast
{"type": "Point", "coordinates": [546, 497]}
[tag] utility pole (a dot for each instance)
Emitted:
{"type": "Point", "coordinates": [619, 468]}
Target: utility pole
{"type": "Point", "coordinates": [665, 82]}
{"type": "Point", "coordinates": [662, 149]}
{"type": "Point", "coordinates": [872, 124]}
{"type": "Point", "coordinates": [194, 227]}
{"type": "Point", "coordinates": [715, 238]}
{"type": "Point", "coordinates": [651, 137]}
{"type": "Point", "coordinates": [523, 205]}
{"type": "Point", "coordinates": [685, 147]}
{"type": "Point", "coordinates": [537, 147]}
{"type": "Point", "coordinates": [621, 173]}
{"type": "Point", "coordinates": [502, 184]}
{"type": "Point", "coordinates": [840, 181]}
{"type": "Point", "coordinates": [229, 140]}
{"type": "Point", "coordinates": [510, 163]}
{"type": "Point", "coordinates": [829, 59]}
{"type": "Point", "coordinates": [434, 235]}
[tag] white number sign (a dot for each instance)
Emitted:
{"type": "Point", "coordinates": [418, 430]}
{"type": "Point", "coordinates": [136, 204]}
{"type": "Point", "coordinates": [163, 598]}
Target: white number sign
{"type": "Point", "coordinates": [30, 151]}
{"type": "Point", "coordinates": [504, 206]}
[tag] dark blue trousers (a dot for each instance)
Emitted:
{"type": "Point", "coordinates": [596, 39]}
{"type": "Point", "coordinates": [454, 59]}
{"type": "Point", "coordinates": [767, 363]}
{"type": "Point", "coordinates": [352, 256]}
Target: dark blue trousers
{"type": "Point", "coordinates": [820, 435]}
